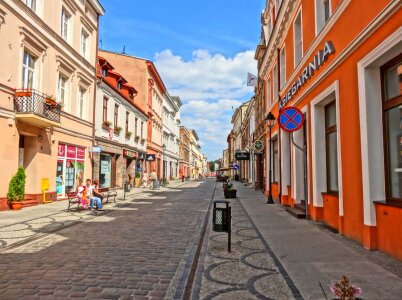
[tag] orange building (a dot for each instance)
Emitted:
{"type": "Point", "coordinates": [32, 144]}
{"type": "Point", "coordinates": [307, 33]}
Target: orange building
{"type": "Point", "coordinates": [144, 75]}
{"type": "Point", "coordinates": [340, 63]}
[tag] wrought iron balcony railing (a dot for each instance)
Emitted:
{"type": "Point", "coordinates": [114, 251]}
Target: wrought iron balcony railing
{"type": "Point", "coordinates": [29, 101]}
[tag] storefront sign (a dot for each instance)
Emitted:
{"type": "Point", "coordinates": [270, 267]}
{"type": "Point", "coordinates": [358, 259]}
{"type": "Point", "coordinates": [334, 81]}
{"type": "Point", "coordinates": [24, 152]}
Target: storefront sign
{"type": "Point", "coordinates": [141, 156]}
{"type": "Point", "coordinates": [308, 71]}
{"type": "Point", "coordinates": [242, 156]}
{"type": "Point", "coordinates": [80, 153]}
{"type": "Point", "coordinates": [129, 153]}
{"type": "Point", "coordinates": [258, 145]}
{"type": "Point", "coordinates": [95, 149]}
{"type": "Point", "coordinates": [150, 157]}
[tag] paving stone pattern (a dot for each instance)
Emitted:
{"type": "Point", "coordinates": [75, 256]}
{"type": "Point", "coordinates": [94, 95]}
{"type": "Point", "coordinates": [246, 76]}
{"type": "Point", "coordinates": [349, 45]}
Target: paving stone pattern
{"type": "Point", "coordinates": [133, 251]}
{"type": "Point", "coordinates": [250, 271]}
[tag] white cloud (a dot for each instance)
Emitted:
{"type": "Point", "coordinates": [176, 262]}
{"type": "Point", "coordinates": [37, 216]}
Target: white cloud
{"type": "Point", "coordinates": [210, 85]}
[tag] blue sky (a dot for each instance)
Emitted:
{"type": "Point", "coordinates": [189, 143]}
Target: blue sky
{"type": "Point", "coordinates": [203, 50]}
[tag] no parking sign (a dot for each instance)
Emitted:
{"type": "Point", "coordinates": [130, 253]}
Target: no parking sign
{"type": "Point", "coordinates": [291, 119]}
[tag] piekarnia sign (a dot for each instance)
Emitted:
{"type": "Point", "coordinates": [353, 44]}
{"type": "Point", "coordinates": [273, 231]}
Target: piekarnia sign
{"type": "Point", "coordinates": [308, 71]}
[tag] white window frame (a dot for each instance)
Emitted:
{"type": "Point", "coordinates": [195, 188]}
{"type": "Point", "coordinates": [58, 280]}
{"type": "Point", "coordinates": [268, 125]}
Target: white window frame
{"type": "Point", "coordinates": [299, 14]}
{"type": "Point", "coordinates": [282, 67]}
{"type": "Point", "coordinates": [84, 46]}
{"type": "Point", "coordinates": [66, 21]}
{"type": "Point", "coordinates": [81, 111]}
{"type": "Point", "coordinates": [32, 4]}
{"type": "Point", "coordinates": [27, 69]}
{"type": "Point", "coordinates": [319, 9]}
{"type": "Point", "coordinates": [63, 100]}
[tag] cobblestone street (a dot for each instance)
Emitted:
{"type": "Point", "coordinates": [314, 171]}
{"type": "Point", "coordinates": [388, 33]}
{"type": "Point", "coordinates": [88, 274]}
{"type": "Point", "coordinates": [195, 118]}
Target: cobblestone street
{"type": "Point", "coordinates": [135, 250]}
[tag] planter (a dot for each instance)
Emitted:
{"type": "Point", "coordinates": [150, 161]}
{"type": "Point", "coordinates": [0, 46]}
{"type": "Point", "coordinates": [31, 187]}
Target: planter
{"type": "Point", "coordinates": [23, 94]}
{"type": "Point", "coordinates": [230, 194]}
{"type": "Point", "coordinates": [137, 182]}
{"type": "Point", "coordinates": [16, 205]}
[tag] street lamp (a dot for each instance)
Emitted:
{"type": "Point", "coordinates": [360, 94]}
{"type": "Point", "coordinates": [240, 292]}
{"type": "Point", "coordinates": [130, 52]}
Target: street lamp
{"type": "Point", "coordinates": [163, 161]}
{"type": "Point", "coordinates": [270, 122]}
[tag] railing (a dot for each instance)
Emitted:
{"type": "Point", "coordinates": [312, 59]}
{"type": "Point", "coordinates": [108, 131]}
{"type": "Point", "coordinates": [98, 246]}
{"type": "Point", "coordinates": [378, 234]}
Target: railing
{"type": "Point", "coordinates": [34, 102]}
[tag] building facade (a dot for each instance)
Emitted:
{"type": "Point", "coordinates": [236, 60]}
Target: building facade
{"type": "Point", "coordinates": [184, 163]}
{"type": "Point", "coordinates": [151, 90]}
{"type": "Point", "coordinates": [171, 136]}
{"type": "Point", "coordinates": [120, 129]}
{"type": "Point", "coordinates": [47, 88]}
{"type": "Point", "coordinates": [345, 77]}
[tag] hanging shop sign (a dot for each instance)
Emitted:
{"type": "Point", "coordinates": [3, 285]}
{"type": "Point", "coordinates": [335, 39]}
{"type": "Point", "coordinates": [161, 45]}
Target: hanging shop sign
{"type": "Point", "coordinates": [308, 72]}
{"type": "Point", "coordinates": [150, 157]}
{"type": "Point", "coordinates": [95, 149]}
{"type": "Point", "coordinates": [141, 156]}
{"type": "Point", "coordinates": [291, 119]}
{"type": "Point", "coordinates": [258, 145]}
{"type": "Point", "coordinates": [129, 153]}
{"type": "Point", "coordinates": [242, 155]}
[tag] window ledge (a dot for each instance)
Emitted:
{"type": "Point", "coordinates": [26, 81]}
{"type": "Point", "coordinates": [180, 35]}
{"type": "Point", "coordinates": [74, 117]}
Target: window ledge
{"type": "Point", "coordinates": [392, 203]}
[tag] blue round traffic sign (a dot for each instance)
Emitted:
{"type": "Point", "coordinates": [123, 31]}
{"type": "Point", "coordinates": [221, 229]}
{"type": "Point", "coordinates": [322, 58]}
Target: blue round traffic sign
{"type": "Point", "coordinates": [291, 119]}
{"type": "Point", "coordinates": [236, 167]}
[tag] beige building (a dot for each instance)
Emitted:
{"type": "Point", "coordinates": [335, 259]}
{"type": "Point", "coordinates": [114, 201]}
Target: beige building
{"type": "Point", "coordinates": [47, 85]}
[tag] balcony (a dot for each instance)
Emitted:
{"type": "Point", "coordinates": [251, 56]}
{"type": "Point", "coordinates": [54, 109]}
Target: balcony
{"type": "Point", "coordinates": [36, 108]}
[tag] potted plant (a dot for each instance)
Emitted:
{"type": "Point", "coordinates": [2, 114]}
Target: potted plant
{"type": "Point", "coordinates": [137, 138]}
{"type": "Point", "coordinates": [344, 290]}
{"type": "Point", "coordinates": [229, 191]}
{"type": "Point", "coordinates": [117, 129]}
{"type": "Point", "coordinates": [128, 134]}
{"type": "Point", "coordinates": [16, 189]}
{"type": "Point", "coordinates": [50, 101]}
{"type": "Point", "coordinates": [137, 180]}
{"type": "Point", "coordinates": [106, 124]}
{"type": "Point", "coordinates": [142, 141]}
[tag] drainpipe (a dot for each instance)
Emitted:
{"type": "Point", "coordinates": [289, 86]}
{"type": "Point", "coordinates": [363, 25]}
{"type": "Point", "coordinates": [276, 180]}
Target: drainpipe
{"type": "Point", "coordinates": [95, 89]}
{"type": "Point", "coordinates": [279, 132]}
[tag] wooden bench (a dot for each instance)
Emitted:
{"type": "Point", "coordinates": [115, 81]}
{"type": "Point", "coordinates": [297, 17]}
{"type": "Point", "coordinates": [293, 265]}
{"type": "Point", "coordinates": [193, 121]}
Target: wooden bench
{"type": "Point", "coordinates": [72, 199]}
{"type": "Point", "coordinates": [107, 193]}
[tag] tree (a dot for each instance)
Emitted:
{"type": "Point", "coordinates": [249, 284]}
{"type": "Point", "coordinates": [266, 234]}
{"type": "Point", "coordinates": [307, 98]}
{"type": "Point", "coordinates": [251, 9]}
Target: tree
{"type": "Point", "coordinates": [211, 166]}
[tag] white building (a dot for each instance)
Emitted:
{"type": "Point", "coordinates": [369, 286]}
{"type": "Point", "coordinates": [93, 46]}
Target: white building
{"type": "Point", "coordinates": [171, 136]}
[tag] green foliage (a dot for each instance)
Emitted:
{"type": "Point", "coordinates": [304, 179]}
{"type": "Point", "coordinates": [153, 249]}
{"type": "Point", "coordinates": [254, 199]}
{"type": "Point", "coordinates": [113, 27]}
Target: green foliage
{"type": "Point", "coordinates": [137, 175]}
{"type": "Point", "coordinates": [211, 166]}
{"type": "Point", "coordinates": [16, 187]}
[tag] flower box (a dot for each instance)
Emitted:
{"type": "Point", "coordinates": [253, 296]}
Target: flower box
{"type": "Point", "coordinates": [230, 194]}
{"type": "Point", "coordinates": [24, 93]}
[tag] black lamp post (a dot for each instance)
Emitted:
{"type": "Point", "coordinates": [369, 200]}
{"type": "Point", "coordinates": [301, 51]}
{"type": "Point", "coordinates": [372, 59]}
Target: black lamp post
{"type": "Point", "coordinates": [270, 121]}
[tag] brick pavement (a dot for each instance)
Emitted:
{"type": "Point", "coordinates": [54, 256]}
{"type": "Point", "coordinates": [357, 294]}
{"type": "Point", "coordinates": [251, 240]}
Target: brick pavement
{"type": "Point", "coordinates": [137, 250]}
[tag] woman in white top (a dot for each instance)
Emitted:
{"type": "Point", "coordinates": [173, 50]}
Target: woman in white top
{"type": "Point", "coordinates": [144, 179]}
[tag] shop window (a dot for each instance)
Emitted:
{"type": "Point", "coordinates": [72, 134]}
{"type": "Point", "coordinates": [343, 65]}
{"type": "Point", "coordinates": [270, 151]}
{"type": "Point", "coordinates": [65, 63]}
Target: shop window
{"type": "Point", "coordinates": [392, 116]}
{"type": "Point", "coordinates": [282, 68]}
{"type": "Point", "coordinates": [104, 114]}
{"type": "Point", "coordinates": [105, 170]}
{"type": "Point", "coordinates": [331, 147]}
{"type": "Point", "coordinates": [298, 39]}
{"type": "Point", "coordinates": [28, 70]}
{"type": "Point", "coordinates": [322, 13]}
{"type": "Point", "coordinates": [275, 160]}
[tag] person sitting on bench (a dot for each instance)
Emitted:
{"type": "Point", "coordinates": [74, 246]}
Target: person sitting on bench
{"type": "Point", "coordinates": [92, 199]}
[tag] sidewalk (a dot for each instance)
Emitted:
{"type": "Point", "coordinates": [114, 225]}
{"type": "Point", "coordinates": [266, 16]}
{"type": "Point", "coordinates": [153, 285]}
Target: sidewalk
{"type": "Point", "coordinates": [17, 227]}
{"type": "Point", "coordinates": [268, 242]}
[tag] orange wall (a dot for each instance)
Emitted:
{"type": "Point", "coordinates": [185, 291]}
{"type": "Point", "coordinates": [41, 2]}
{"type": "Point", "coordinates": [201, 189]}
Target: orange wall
{"type": "Point", "coordinates": [331, 210]}
{"type": "Point", "coordinates": [389, 224]}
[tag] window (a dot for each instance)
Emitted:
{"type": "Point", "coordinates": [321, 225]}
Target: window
{"type": "Point", "coordinates": [275, 160]}
{"type": "Point", "coordinates": [104, 114]}
{"type": "Point", "coordinates": [104, 72]}
{"type": "Point", "coordinates": [331, 147]}
{"type": "Point", "coordinates": [116, 115]}
{"type": "Point", "coordinates": [119, 85]}
{"type": "Point", "coordinates": [392, 116]}
{"type": "Point", "coordinates": [322, 13]}
{"type": "Point", "coordinates": [65, 24]}
{"type": "Point", "coordinates": [275, 82]}
{"type": "Point", "coordinates": [31, 4]}
{"type": "Point", "coordinates": [28, 70]}
{"type": "Point", "coordinates": [61, 90]}
{"type": "Point", "coordinates": [269, 100]}
{"type": "Point", "coordinates": [142, 129]}
{"type": "Point", "coordinates": [282, 68]}
{"type": "Point", "coordinates": [81, 100]}
{"type": "Point", "coordinates": [127, 117]}
{"type": "Point", "coordinates": [298, 38]}
{"type": "Point", "coordinates": [84, 43]}
{"type": "Point", "coordinates": [135, 126]}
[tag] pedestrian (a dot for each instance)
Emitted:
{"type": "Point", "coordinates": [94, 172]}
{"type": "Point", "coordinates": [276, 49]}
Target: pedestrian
{"type": "Point", "coordinates": [145, 179]}
{"type": "Point", "coordinates": [153, 178]}
{"type": "Point", "coordinates": [92, 199]}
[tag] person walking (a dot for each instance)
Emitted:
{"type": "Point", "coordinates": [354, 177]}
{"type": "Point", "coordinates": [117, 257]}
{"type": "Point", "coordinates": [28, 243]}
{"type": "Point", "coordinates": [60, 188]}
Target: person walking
{"type": "Point", "coordinates": [145, 179]}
